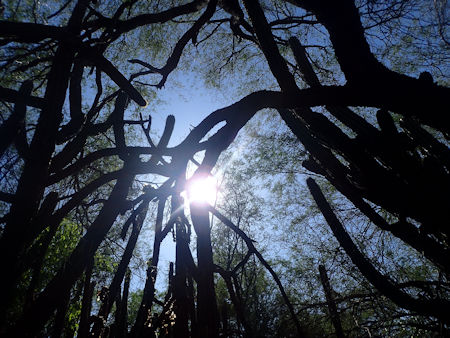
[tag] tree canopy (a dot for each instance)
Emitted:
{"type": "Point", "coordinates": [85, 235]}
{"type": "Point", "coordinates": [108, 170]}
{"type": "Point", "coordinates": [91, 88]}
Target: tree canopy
{"type": "Point", "coordinates": [328, 168]}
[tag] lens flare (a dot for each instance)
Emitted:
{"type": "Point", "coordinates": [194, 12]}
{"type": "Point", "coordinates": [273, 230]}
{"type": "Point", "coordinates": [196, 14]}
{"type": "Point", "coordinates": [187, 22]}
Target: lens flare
{"type": "Point", "coordinates": [202, 189]}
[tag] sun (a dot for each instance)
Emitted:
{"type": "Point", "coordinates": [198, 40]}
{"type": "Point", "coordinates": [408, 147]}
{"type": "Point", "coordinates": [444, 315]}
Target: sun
{"type": "Point", "coordinates": [202, 189]}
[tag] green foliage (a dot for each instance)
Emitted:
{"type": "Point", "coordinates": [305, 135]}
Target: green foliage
{"type": "Point", "coordinates": [134, 301]}
{"type": "Point", "coordinates": [62, 245]}
{"type": "Point", "coordinates": [73, 317]}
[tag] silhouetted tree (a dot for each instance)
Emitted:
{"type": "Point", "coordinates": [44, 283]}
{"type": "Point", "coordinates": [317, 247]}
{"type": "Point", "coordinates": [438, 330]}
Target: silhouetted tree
{"type": "Point", "coordinates": [70, 156]}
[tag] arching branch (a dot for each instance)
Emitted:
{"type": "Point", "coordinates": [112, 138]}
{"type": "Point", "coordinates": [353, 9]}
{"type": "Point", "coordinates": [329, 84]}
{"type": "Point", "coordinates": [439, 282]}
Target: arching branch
{"type": "Point", "coordinates": [435, 308]}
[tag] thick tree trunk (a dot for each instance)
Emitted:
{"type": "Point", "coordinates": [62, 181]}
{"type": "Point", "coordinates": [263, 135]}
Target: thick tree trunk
{"type": "Point", "coordinates": [180, 288]}
{"type": "Point", "coordinates": [208, 319]}
{"type": "Point", "coordinates": [192, 309]}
